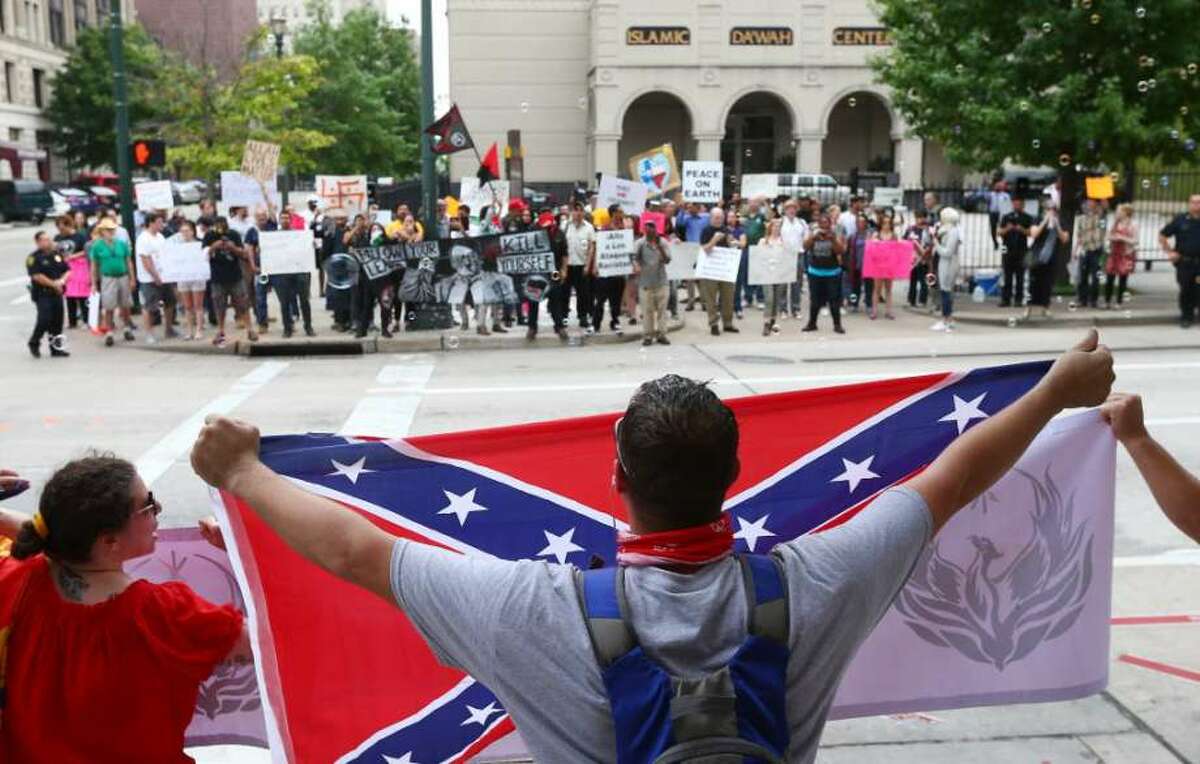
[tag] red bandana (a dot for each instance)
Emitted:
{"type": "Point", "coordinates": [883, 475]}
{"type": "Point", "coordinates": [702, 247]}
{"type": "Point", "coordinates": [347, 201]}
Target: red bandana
{"type": "Point", "coordinates": [686, 548]}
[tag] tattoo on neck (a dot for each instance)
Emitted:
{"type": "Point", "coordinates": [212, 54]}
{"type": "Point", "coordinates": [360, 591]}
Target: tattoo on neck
{"type": "Point", "coordinates": [71, 583]}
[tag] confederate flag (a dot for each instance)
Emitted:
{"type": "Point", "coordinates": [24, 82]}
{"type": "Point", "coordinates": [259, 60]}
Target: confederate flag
{"type": "Point", "coordinates": [450, 132]}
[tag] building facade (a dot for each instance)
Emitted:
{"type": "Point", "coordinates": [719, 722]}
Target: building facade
{"type": "Point", "coordinates": [296, 11]}
{"type": "Point", "coordinates": [763, 85]}
{"type": "Point", "coordinates": [35, 38]}
{"type": "Point", "coordinates": [209, 33]}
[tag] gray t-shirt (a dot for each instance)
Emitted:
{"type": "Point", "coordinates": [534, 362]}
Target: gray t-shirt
{"type": "Point", "coordinates": [654, 268]}
{"type": "Point", "coordinates": [517, 627]}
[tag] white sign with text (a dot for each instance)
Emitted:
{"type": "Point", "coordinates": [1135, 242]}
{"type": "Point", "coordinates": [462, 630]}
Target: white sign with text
{"type": "Point", "coordinates": [238, 190]}
{"type": "Point", "coordinates": [180, 261]}
{"type": "Point", "coordinates": [630, 195]}
{"type": "Point", "coordinates": [286, 251]}
{"type": "Point", "coordinates": [477, 197]}
{"type": "Point", "coordinates": [683, 260]}
{"type": "Point", "coordinates": [771, 264]}
{"type": "Point", "coordinates": [702, 182]}
{"type": "Point", "coordinates": [614, 253]}
{"type": "Point", "coordinates": [154, 195]}
{"type": "Point", "coordinates": [765, 185]}
{"type": "Point", "coordinates": [719, 264]}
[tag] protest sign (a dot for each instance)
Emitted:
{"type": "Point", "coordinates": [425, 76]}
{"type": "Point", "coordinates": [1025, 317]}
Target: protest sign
{"type": "Point", "coordinates": [885, 196]}
{"type": "Point", "coordinates": [238, 190]}
{"type": "Point", "coordinates": [683, 260]}
{"type": "Point", "coordinates": [771, 264]}
{"type": "Point", "coordinates": [260, 160]}
{"type": "Point", "coordinates": [629, 195]}
{"type": "Point", "coordinates": [377, 262]}
{"type": "Point", "coordinates": [525, 252]}
{"type": "Point", "coordinates": [286, 251]}
{"type": "Point", "coordinates": [477, 197]}
{"type": "Point", "coordinates": [154, 195]}
{"type": "Point", "coordinates": [182, 261]}
{"type": "Point", "coordinates": [656, 169]}
{"type": "Point", "coordinates": [347, 192]}
{"type": "Point", "coordinates": [719, 264]}
{"type": "Point", "coordinates": [383, 217]}
{"type": "Point", "coordinates": [887, 259]}
{"type": "Point", "coordinates": [1100, 187]}
{"type": "Point", "coordinates": [702, 182]}
{"type": "Point", "coordinates": [765, 185]}
{"type": "Point", "coordinates": [657, 218]}
{"type": "Point", "coordinates": [614, 253]}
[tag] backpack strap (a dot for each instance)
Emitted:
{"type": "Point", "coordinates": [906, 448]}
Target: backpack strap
{"type": "Point", "coordinates": [605, 610]}
{"type": "Point", "coordinates": [766, 597]}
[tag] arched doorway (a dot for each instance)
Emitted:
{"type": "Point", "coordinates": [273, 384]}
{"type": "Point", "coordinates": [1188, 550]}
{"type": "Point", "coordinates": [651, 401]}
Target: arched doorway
{"type": "Point", "coordinates": [758, 136]}
{"type": "Point", "coordinates": [651, 120]}
{"type": "Point", "coordinates": [858, 136]}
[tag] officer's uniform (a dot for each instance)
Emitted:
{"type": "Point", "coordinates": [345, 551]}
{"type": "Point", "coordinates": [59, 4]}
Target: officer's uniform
{"type": "Point", "coordinates": [1186, 230]}
{"type": "Point", "coordinates": [49, 303]}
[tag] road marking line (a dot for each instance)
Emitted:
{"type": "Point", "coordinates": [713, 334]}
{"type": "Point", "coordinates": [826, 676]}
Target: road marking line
{"type": "Point", "coordinates": [1153, 620]}
{"type": "Point", "coordinates": [163, 454]}
{"type": "Point", "coordinates": [1188, 557]}
{"type": "Point", "coordinates": [1168, 421]}
{"type": "Point", "coordinates": [14, 281]}
{"type": "Point", "coordinates": [391, 414]}
{"type": "Point", "coordinates": [1164, 668]}
{"type": "Point", "coordinates": [24, 297]}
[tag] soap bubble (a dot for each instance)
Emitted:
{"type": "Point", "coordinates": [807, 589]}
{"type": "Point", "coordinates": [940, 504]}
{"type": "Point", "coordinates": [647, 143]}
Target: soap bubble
{"type": "Point", "coordinates": [1036, 143]}
{"type": "Point", "coordinates": [1143, 86]}
{"type": "Point", "coordinates": [582, 103]}
{"type": "Point", "coordinates": [1140, 12]}
{"type": "Point", "coordinates": [1129, 314]}
{"type": "Point", "coordinates": [1047, 28]}
{"type": "Point", "coordinates": [852, 102]}
{"type": "Point", "coordinates": [1085, 4]}
{"type": "Point", "coordinates": [1183, 110]}
{"type": "Point", "coordinates": [1146, 183]}
{"type": "Point", "coordinates": [1151, 83]}
{"type": "Point", "coordinates": [1024, 105]}
{"type": "Point", "coordinates": [1095, 19]}
{"type": "Point", "coordinates": [1174, 135]}
{"type": "Point", "coordinates": [452, 342]}
{"type": "Point", "coordinates": [1012, 322]}
{"type": "Point", "coordinates": [1064, 160]}
{"type": "Point", "coordinates": [1190, 144]}
{"type": "Point", "coordinates": [1164, 181]}
{"type": "Point", "coordinates": [1144, 61]}
{"type": "Point", "coordinates": [958, 129]}
{"type": "Point", "coordinates": [524, 107]}
{"type": "Point", "coordinates": [1191, 68]}
{"type": "Point", "coordinates": [959, 68]}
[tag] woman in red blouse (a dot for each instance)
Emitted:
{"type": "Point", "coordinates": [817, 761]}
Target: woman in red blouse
{"type": "Point", "coordinates": [98, 666]}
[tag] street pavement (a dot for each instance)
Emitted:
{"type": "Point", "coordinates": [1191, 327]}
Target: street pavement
{"type": "Point", "coordinates": [147, 406]}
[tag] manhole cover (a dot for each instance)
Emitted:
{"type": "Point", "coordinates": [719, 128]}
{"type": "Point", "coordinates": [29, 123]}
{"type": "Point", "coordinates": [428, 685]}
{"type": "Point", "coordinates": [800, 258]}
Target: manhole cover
{"type": "Point", "coordinates": [760, 359]}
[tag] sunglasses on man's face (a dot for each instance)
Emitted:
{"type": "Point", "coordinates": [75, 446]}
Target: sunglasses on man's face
{"type": "Point", "coordinates": [153, 506]}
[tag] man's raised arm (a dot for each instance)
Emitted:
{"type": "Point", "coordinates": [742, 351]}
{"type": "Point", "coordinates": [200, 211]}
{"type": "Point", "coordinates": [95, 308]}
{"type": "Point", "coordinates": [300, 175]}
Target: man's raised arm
{"type": "Point", "coordinates": [337, 539]}
{"type": "Point", "coordinates": [1082, 376]}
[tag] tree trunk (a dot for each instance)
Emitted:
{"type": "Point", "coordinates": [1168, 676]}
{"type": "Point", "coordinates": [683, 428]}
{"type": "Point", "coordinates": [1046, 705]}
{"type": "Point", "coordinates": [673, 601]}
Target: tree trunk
{"type": "Point", "coordinates": [1068, 201]}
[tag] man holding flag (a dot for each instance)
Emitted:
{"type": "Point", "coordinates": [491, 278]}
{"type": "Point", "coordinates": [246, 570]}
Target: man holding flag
{"type": "Point", "coordinates": [777, 629]}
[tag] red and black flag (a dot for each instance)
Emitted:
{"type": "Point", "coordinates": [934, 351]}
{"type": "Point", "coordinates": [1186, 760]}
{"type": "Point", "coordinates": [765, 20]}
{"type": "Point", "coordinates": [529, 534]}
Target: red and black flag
{"type": "Point", "coordinates": [450, 132]}
{"type": "Point", "coordinates": [489, 167]}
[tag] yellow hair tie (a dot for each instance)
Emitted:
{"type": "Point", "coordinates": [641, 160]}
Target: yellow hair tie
{"type": "Point", "coordinates": [39, 525]}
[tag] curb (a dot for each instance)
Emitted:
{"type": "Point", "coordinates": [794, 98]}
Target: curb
{"type": "Point", "coordinates": [1062, 317]}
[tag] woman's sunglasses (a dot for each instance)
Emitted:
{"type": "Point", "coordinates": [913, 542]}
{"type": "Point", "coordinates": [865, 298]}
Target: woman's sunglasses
{"type": "Point", "coordinates": [152, 506]}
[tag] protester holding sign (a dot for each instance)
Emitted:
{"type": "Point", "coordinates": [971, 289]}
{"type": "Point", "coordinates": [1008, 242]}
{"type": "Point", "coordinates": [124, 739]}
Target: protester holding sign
{"type": "Point", "coordinates": [156, 295]}
{"type": "Point", "coordinates": [755, 225]}
{"type": "Point", "coordinates": [883, 286]}
{"type": "Point", "coordinates": [72, 245]}
{"type": "Point", "coordinates": [774, 295]}
{"type": "Point", "coordinates": [825, 248]}
{"type": "Point", "coordinates": [226, 253]}
{"type": "Point", "coordinates": [191, 293]}
{"type": "Point", "coordinates": [608, 289]}
{"type": "Point", "coordinates": [794, 230]}
{"type": "Point", "coordinates": [650, 258]}
{"type": "Point", "coordinates": [717, 295]}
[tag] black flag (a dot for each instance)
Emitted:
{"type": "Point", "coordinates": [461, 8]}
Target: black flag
{"type": "Point", "coordinates": [450, 132]}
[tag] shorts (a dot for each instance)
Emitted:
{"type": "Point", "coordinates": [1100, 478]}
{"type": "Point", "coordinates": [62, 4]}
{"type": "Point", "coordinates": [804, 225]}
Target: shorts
{"type": "Point", "coordinates": [115, 292]}
{"type": "Point", "coordinates": [191, 286]}
{"type": "Point", "coordinates": [154, 295]}
{"type": "Point", "coordinates": [223, 294]}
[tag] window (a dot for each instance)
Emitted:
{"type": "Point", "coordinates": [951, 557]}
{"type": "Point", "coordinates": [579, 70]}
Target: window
{"type": "Point", "coordinates": [102, 9]}
{"type": "Point", "coordinates": [8, 80]}
{"type": "Point", "coordinates": [81, 14]}
{"type": "Point", "coordinates": [14, 134]}
{"type": "Point", "coordinates": [39, 80]}
{"type": "Point", "coordinates": [58, 23]}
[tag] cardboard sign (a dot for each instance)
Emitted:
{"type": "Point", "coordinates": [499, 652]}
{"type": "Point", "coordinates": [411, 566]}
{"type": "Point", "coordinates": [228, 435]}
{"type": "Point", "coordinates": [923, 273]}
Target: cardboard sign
{"type": "Point", "coordinates": [260, 160]}
{"type": "Point", "coordinates": [630, 195]}
{"type": "Point", "coordinates": [887, 259]}
{"type": "Point", "coordinates": [347, 192]}
{"type": "Point", "coordinates": [771, 264]}
{"type": "Point", "coordinates": [656, 169]}
{"type": "Point", "coordinates": [180, 260]}
{"type": "Point", "coordinates": [476, 197]}
{"type": "Point", "coordinates": [1100, 187]}
{"type": "Point", "coordinates": [719, 264]}
{"type": "Point", "coordinates": [765, 185]}
{"type": "Point", "coordinates": [614, 253]}
{"type": "Point", "coordinates": [683, 260]}
{"type": "Point", "coordinates": [886, 196]}
{"type": "Point", "coordinates": [286, 251]}
{"type": "Point", "coordinates": [238, 190]}
{"type": "Point", "coordinates": [525, 252]}
{"type": "Point", "coordinates": [702, 182]}
{"type": "Point", "coordinates": [657, 218]}
{"type": "Point", "coordinates": [154, 195]}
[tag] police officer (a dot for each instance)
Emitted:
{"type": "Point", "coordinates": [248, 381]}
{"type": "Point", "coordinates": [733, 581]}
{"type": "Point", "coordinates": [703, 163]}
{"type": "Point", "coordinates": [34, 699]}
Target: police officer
{"type": "Point", "coordinates": [47, 283]}
{"type": "Point", "coordinates": [1186, 257]}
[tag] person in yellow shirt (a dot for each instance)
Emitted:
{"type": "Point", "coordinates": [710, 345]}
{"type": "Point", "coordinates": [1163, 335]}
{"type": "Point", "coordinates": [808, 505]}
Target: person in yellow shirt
{"type": "Point", "coordinates": [396, 226]}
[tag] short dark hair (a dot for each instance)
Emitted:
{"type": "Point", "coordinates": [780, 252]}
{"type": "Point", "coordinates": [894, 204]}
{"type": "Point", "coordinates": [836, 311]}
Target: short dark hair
{"type": "Point", "coordinates": [82, 500]}
{"type": "Point", "coordinates": [37, 236]}
{"type": "Point", "coordinates": [152, 216]}
{"type": "Point", "coordinates": [678, 448]}
{"type": "Point", "coordinates": [613, 209]}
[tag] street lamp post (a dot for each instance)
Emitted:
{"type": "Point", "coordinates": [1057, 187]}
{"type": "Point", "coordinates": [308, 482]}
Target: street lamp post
{"type": "Point", "coordinates": [278, 29]}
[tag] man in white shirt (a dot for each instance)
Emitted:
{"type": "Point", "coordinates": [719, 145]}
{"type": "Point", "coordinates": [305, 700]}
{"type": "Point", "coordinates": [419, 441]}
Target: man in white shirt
{"type": "Point", "coordinates": [581, 244]}
{"type": "Point", "coordinates": [156, 295]}
{"type": "Point", "coordinates": [848, 220]}
{"type": "Point", "coordinates": [793, 230]}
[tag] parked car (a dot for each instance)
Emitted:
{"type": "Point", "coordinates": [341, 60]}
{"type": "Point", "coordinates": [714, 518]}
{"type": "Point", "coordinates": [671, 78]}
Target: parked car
{"type": "Point", "coordinates": [823, 188]}
{"type": "Point", "coordinates": [105, 196]}
{"type": "Point", "coordinates": [25, 200]}
{"type": "Point", "coordinates": [536, 198]}
{"type": "Point", "coordinates": [87, 180]}
{"type": "Point", "coordinates": [187, 191]}
{"type": "Point", "coordinates": [61, 205]}
{"type": "Point", "coordinates": [80, 200]}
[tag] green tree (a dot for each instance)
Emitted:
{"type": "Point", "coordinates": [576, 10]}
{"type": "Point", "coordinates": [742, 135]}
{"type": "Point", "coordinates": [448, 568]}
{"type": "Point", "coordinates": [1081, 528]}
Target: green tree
{"type": "Point", "coordinates": [81, 106]}
{"type": "Point", "coordinates": [211, 121]}
{"type": "Point", "coordinates": [369, 99]}
{"type": "Point", "coordinates": [1077, 84]}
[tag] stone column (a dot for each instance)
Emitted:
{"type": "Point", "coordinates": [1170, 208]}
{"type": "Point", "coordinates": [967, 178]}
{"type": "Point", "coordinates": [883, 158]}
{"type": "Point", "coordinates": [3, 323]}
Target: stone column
{"type": "Point", "coordinates": [808, 151]}
{"type": "Point", "coordinates": [708, 146]}
{"type": "Point", "coordinates": [604, 154]}
{"type": "Point", "coordinates": [910, 161]}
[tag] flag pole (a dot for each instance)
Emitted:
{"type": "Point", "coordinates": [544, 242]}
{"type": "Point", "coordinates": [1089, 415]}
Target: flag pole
{"type": "Point", "coordinates": [478, 158]}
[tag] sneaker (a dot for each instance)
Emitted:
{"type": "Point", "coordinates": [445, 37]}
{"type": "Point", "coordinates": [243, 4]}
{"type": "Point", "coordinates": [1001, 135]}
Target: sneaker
{"type": "Point", "coordinates": [647, 342]}
{"type": "Point", "coordinates": [308, 332]}
{"type": "Point", "coordinates": [837, 328]}
{"type": "Point", "coordinates": [56, 353]}
{"type": "Point", "coordinates": [690, 308]}
{"type": "Point", "coordinates": [263, 328]}
{"type": "Point", "coordinates": [482, 331]}
{"type": "Point", "coordinates": [662, 340]}
{"type": "Point", "coordinates": [171, 334]}
{"type": "Point", "coordinates": [287, 334]}
{"type": "Point", "coordinates": [253, 337]}
{"type": "Point", "coordinates": [775, 329]}
{"type": "Point", "coordinates": [809, 328]}
{"type": "Point", "coordinates": [732, 328]}
{"type": "Point", "coordinates": [738, 315]}
{"type": "Point", "coordinates": [1185, 324]}
{"type": "Point", "coordinates": [940, 326]}
{"type": "Point", "coordinates": [219, 340]}
{"type": "Point", "coordinates": [715, 330]}
{"type": "Point", "coordinates": [589, 331]}
{"type": "Point", "coordinates": [767, 330]}
{"type": "Point", "coordinates": [128, 335]}
{"type": "Point", "coordinates": [561, 332]}
{"type": "Point", "coordinates": [108, 340]}
{"type": "Point", "coordinates": [498, 329]}
{"type": "Point", "coordinates": [35, 349]}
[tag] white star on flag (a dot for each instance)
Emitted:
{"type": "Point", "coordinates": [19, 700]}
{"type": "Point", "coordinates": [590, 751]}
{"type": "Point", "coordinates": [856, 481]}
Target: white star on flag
{"type": "Point", "coordinates": [752, 532]}
{"type": "Point", "coordinates": [560, 546]}
{"type": "Point", "coordinates": [856, 472]}
{"type": "Point", "coordinates": [405, 759]}
{"type": "Point", "coordinates": [480, 715]}
{"type": "Point", "coordinates": [349, 471]}
{"type": "Point", "coordinates": [965, 411]}
{"type": "Point", "coordinates": [461, 506]}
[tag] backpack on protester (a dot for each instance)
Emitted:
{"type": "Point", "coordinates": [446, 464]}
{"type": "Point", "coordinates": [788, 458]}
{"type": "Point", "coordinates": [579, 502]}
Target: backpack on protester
{"type": "Point", "coordinates": [736, 713]}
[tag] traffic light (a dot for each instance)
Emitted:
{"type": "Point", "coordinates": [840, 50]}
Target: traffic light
{"type": "Point", "coordinates": [148, 153]}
